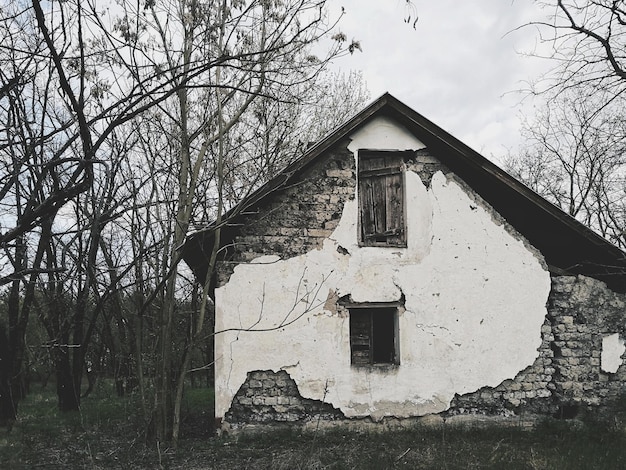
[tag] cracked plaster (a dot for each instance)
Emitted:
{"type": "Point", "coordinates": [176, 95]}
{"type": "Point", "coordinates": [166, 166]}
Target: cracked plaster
{"type": "Point", "coordinates": [475, 299]}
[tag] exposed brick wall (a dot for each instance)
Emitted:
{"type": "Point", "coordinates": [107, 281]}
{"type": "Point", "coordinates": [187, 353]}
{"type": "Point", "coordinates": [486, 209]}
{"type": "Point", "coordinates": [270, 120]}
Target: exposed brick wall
{"type": "Point", "coordinates": [426, 165]}
{"type": "Point", "coordinates": [566, 377]}
{"type": "Point", "coordinates": [296, 219]}
{"type": "Point", "coordinates": [273, 397]}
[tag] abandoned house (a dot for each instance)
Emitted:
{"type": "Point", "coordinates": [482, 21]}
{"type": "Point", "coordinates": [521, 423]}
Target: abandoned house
{"type": "Point", "coordinates": [393, 272]}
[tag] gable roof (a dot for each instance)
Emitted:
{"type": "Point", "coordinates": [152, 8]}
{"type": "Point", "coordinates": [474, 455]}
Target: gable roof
{"type": "Point", "coordinates": [568, 246]}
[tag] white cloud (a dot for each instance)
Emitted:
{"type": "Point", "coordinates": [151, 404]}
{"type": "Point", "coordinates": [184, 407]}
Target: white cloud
{"type": "Point", "coordinates": [459, 67]}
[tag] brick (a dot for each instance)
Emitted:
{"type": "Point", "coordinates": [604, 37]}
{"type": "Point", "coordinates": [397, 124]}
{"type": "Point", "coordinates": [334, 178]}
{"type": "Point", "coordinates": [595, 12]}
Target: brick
{"type": "Point", "coordinates": [345, 190]}
{"type": "Point", "coordinates": [565, 352]}
{"type": "Point", "coordinates": [543, 394]}
{"type": "Point", "coordinates": [290, 232]}
{"type": "Point", "coordinates": [268, 383]}
{"type": "Point", "coordinates": [426, 158]}
{"type": "Point", "coordinates": [347, 174]}
{"type": "Point", "coordinates": [546, 329]}
{"type": "Point", "coordinates": [318, 232]}
{"type": "Point", "coordinates": [322, 198]}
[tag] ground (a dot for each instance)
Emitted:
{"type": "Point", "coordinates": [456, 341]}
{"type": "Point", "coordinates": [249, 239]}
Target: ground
{"type": "Point", "coordinates": [108, 434]}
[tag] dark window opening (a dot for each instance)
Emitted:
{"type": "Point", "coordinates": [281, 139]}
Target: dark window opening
{"type": "Point", "coordinates": [381, 198]}
{"type": "Point", "coordinates": [373, 336]}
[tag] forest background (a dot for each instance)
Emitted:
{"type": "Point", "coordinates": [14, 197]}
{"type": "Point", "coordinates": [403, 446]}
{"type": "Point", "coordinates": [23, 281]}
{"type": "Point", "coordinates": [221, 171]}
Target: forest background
{"type": "Point", "coordinates": [130, 124]}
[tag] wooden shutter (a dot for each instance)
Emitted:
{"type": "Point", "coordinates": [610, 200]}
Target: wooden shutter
{"type": "Point", "coordinates": [360, 336]}
{"type": "Point", "coordinates": [381, 199]}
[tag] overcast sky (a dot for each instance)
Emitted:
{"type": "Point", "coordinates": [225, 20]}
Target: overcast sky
{"type": "Point", "coordinates": [458, 67]}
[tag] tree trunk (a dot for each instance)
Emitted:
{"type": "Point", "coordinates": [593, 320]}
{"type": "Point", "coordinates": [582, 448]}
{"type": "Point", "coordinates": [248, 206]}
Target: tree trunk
{"type": "Point", "coordinates": [8, 408]}
{"type": "Point", "coordinates": [13, 344]}
{"type": "Point", "coordinates": [68, 395]}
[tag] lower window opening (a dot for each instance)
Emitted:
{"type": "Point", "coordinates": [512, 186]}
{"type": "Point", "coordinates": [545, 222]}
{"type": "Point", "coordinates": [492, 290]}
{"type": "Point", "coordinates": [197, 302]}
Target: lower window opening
{"type": "Point", "coordinates": [374, 335]}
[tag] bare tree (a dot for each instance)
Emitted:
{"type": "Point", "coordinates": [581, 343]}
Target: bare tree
{"type": "Point", "coordinates": [209, 97]}
{"type": "Point", "coordinates": [210, 150]}
{"type": "Point", "coordinates": [576, 144]}
{"type": "Point", "coordinates": [576, 158]}
{"type": "Point", "coordinates": [587, 39]}
{"type": "Point", "coordinates": [57, 129]}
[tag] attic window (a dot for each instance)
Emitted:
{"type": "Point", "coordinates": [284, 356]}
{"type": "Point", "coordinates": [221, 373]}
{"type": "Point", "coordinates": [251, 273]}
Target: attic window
{"type": "Point", "coordinates": [381, 198]}
{"type": "Point", "coordinates": [374, 335]}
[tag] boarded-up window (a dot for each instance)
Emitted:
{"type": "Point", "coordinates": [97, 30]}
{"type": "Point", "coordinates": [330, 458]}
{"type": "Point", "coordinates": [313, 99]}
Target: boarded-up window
{"type": "Point", "coordinates": [381, 198]}
{"type": "Point", "coordinates": [373, 335]}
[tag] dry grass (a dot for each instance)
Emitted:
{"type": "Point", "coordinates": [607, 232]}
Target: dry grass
{"type": "Point", "coordinates": [108, 434]}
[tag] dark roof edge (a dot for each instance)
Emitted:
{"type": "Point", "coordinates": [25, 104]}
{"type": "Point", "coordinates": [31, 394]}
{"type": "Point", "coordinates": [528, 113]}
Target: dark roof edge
{"type": "Point", "coordinates": [283, 177]}
{"type": "Point", "coordinates": [312, 153]}
{"type": "Point", "coordinates": [431, 135]}
{"type": "Point", "coordinates": [495, 171]}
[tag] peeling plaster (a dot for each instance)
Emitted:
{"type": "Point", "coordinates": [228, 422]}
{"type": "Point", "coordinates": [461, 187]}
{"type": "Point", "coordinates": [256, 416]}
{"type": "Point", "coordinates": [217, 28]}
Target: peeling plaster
{"type": "Point", "coordinates": [475, 301]}
{"type": "Point", "coordinates": [384, 133]}
{"type": "Point", "coordinates": [613, 347]}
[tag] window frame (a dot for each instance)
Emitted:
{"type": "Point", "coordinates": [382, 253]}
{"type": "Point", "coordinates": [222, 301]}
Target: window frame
{"type": "Point", "coordinates": [385, 187]}
{"type": "Point", "coordinates": [375, 340]}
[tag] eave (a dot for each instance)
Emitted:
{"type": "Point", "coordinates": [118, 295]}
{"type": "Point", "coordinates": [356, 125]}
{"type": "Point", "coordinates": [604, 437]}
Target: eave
{"type": "Point", "coordinates": [569, 247]}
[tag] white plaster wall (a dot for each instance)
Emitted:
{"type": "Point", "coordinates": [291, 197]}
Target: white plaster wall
{"type": "Point", "coordinates": [475, 299]}
{"type": "Point", "coordinates": [613, 347]}
{"type": "Point", "coordinates": [384, 133]}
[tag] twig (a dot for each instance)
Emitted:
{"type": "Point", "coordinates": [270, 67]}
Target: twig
{"type": "Point", "coordinates": [402, 455]}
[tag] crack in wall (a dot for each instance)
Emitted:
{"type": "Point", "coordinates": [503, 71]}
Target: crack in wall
{"type": "Point", "coordinates": [427, 266]}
